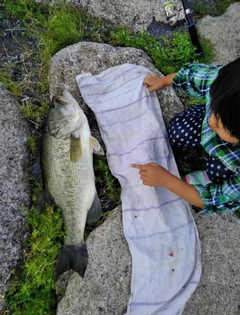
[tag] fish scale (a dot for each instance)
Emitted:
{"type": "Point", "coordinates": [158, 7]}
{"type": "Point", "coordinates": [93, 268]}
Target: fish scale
{"type": "Point", "coordinates": [66, 186]}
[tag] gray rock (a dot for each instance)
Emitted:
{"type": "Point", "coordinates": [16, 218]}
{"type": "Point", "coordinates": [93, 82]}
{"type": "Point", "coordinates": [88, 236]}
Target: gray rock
{"type": "Point", "coordinates": [94, 58]}
{"type": "Point", "coordinates": [106, 288]}
{"type": "Point", "coordinates": [14, 187]}
{"type": "Point", "coordinates": [218, 291]}
{"type": "Point", "coordinates": [223, 33]}
{"type": "Point", "coordinates": [135, 14]}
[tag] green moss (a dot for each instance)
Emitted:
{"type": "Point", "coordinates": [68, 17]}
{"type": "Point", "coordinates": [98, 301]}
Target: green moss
{"type": "Point", "coordinates": [63, 27]}
{"type": "Point", "coordinates": [25, 10]}
{"type": "Point", "coordinates": [224, 4]}
{"type": "Point", "coordinates": [32, 290]}
{"type": "Point", "coordinates": [109, 186]}
{"type": "Point", "coordinates": [34, 112]}
{"type": "Point", "coordinates": [32, 147]}
{"type": "Point", "coordinates": [168, 53]}
{"type": "Point", "coordinates": [201, 8]}
{"type": "Point", "coordinates": [6, 79]}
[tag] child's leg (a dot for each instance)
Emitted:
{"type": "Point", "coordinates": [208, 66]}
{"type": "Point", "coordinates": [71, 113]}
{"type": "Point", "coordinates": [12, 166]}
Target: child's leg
{"type": "Point", "coordinates": [184, 129]}
{"type": "Point", "coordinates": [216, 170]}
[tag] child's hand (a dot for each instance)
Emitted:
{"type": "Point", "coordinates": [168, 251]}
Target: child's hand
{"type": "Point", "coordinates": [153, 82]}
{"type": "Point", "coordinates": [153, 174]}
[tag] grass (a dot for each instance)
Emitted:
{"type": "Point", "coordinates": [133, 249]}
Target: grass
{"type": "Point", "coordinates": [224, 4]}
{"type": "Point", "coordinates": [32, 290]}
{"type": "Point", "coordinates": [168, 53]}
{"type": "Point", "coordinates": [52, 28]}
{"type": "Point", "coordinates": [202, 8]}
{"type": "Point", "coordinates": [7, 81]}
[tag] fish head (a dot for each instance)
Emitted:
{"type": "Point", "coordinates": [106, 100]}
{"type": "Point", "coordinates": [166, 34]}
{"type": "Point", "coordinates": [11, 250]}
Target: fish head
{"type": "Point", "coordinates": [65, 117]}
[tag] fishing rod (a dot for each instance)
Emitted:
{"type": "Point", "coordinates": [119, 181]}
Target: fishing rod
{"type": "Point", "coordinates": [174, 15]}
{"type": "Point", "coordinates": [191, 27]}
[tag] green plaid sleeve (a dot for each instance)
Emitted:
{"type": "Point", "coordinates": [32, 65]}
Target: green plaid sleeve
{"type": "Point", "coordinates": [195, 79]}
{"type": "Point", "coordinates": [220, 199]}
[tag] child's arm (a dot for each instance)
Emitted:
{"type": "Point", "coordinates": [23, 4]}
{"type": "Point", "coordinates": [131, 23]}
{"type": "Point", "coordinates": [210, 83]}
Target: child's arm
{"type": "Point", "coordinates": [154, 83]}
{"type": "Point", "coordinates": [153, 174]}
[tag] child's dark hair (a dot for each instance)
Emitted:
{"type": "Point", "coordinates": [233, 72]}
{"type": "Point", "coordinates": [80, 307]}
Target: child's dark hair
{"type": "Point", "coordinates": [225, 97]}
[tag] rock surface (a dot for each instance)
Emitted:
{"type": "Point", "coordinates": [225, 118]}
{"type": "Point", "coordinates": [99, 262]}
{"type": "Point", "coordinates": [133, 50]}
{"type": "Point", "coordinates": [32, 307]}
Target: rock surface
{"type": "Point", "coordinates": [134, 14]}
{"type": "Point", "coordinates": [14, 186]}
{"type": "Point", "coordinates": [107, 251]}
{"type": "Point", "coordinates": [106, 288]}
{"type": "Point", "coordinates": [138, 15]}
{"type": "Point", "coordinates": [218, 290]}
{"type": "Point", "coordinates": [223, 33]}
{"type": "Point", "coordinates": [94, 58]}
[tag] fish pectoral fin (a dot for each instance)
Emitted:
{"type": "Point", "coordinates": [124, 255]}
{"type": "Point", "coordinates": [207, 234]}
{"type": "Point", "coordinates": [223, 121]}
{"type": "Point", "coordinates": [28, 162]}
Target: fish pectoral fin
{"type": "Point", "coordinates": [75, 149]}
{"type": "Point", "coordinates": [71, 257]}
{"type": "Point", "coordinates": [96, 146]}
{"type": "Point", "coordinates": [95, 211]}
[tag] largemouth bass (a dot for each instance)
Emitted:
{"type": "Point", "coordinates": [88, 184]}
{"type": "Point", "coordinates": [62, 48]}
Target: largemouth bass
{"type": "Point", "coordinates": [67, 163]}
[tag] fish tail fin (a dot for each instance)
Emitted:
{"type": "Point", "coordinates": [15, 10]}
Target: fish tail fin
{"type": "Point", "coordinates": [71, 257]}
{"type": "Point", "coordinates": [95, 211]}
{"type": "Point", "coordinates": [75, 149]}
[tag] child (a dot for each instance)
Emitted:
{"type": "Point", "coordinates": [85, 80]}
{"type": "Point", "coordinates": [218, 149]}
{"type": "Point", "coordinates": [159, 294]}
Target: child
{"type": "Point", "coordinates": [215, 127]}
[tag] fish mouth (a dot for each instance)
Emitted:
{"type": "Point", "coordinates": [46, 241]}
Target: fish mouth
{"type": "Point", "coordinates": [59, 100]}
{"type": "Point", "coordinates": [65, 117]}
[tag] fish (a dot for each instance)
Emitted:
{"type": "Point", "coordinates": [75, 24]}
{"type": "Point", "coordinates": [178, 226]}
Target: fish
{"type": "Point", "coordinates": [68, 177]}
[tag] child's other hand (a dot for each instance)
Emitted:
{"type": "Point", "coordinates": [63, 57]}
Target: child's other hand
{"type": "Point", "coordinates": [153, 82]}
{"type": "Point", "coordinates": [153, 174]}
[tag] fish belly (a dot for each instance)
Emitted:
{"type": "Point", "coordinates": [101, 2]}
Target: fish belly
{"type": "Point", "coordinates": [70, 184]}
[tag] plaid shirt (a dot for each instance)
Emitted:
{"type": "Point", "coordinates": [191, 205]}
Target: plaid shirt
{"type": "Point", "coordinates": [195, 80]}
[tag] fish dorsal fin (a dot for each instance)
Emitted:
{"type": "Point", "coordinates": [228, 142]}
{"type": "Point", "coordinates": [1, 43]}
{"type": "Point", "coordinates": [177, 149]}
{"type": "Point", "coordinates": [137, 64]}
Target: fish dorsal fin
{"type": "Point", "coordinates": [41, 202]}
{"type": "Point", "coordinates": [96, 146]}
{"type": "Point", "coordinates": [75, 148]}
{"type": "Point", "coordinates": [35, 169]}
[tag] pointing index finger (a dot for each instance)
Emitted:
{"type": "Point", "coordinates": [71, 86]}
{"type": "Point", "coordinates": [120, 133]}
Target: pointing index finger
{"type": "Point", "coordinates": [138, 166]}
